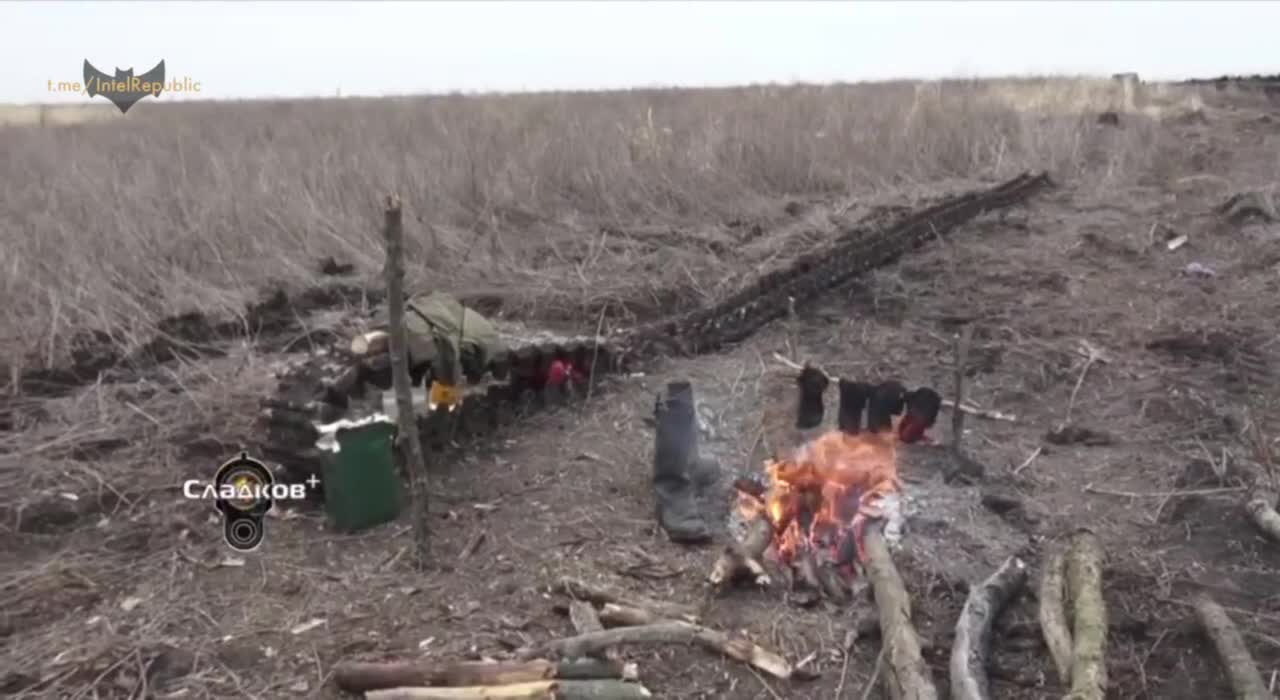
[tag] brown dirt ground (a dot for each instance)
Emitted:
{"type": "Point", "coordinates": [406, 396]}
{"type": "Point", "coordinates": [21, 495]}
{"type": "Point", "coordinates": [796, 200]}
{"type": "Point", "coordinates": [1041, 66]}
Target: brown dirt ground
{"type": "Point", "coordinates": [131, 581]}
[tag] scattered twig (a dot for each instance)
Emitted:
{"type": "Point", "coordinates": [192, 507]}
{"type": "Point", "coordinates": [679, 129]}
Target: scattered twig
{"type": "Point", "coordinates": [1090, 488]}
{"type": "Point", "coordinates": [1036, 453]}
{"type": "Point", "coordinates": [1094, 355]}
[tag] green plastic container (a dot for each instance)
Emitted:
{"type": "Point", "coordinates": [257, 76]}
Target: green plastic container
{"type": "Point", "coordinates": [361, 483]}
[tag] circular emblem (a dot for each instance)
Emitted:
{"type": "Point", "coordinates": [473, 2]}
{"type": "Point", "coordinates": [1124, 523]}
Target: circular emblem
{"type": "Point", "coordinates": [244, 486]}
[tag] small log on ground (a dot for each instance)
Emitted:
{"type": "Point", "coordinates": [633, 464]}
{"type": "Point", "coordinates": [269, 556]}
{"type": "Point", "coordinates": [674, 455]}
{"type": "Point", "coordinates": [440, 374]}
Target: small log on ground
{"type": "Point", "coordinates": [909, 677]}
{"type": "Point", "coordinates": [671, 632]}
{"type": "Point", "coordinates": [536, 690]}
{"type": "Point", "coordinates": [743, 558]}
{"type": "Point", "coordinates": [1262, 512]}
{"type": "Point", "coordinates": [584, 619]}
{"type": "Point", "coordinates": [362, 676]}
{"type": "Point", "coordinates": [971, 651]}
{"type": "Point", "coordinates": [1246, 680]}
{"type": "Point", "coordinates": [581, 590]}
{"type": "Point", "coordinates": [1088, 617]}
{"type": "Point", "coordinates": [1053, 614]}
{"type": "Point", "coordinates": [614, 615]}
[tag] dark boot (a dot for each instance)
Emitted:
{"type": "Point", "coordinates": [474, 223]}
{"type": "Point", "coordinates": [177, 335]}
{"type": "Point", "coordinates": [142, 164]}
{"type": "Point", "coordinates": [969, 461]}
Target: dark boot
{"type": "Point", "coordinates": [810, 409]}
{"type": "Point", "coordinates": [674, 456]}
{"type": "Point", "coordinates": [853, 401]}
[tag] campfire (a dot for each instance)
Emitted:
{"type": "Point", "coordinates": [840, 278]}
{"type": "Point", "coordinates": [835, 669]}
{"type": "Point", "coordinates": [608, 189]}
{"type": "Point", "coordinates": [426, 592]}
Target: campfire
{"type": "Point", "coordinates": [811, 512]}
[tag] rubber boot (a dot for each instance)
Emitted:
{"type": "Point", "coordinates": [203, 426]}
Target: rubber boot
{"type": "Point", "coordinates": [674, 456]}
{"type": "Point", "coordinates": [810, 409]}
{"type": "Point", "coordinates": [853, 401]}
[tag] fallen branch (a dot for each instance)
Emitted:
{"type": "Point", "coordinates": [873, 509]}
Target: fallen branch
{"type": "Point", "coordinates": [970, 409]}
{"type": "Point", "coordinates": [536, 690]}
{"type": "Point", "coordinates": [363, 676]}
{"type": "Point", "coordinates": [739, 558]}
{"type": "Point", "coordinates": [971, 651]}
{"type": "Point", "coordinates": [1089, 617]}
{"type": "Point", "coordinates": [581, 590]}
{"type": "Point", "coordinates": [1053, 614]}
{"type": "Point", "coordinates": [1262, 512]}
{"type": "Point", "coordinates": [584, 619]}
{"type": "Point", "coordinates": [670, 632]}
{"type": "Point", "coordinates": [909, 677]}
{"type": "Point", "coordinates": [1243, 673]}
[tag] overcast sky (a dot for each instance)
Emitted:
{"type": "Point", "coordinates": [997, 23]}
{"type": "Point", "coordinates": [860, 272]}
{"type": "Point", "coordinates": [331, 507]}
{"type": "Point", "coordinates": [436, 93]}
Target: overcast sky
{"type": "Point", "coordinates": [246, 49]}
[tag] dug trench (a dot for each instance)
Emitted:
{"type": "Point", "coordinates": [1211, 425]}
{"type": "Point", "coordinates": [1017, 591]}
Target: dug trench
{"type": "Point", "coordinates": [568, 494]}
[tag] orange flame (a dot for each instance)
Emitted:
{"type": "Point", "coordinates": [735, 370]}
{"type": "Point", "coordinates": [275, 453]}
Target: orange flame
{"type": "Point", "coordinates": [816, 495]}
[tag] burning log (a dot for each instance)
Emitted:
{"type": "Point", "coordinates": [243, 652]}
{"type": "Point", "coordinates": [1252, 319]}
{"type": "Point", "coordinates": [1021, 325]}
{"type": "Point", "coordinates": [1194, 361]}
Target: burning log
{"type": "Point", "coordinates": [364, 676]}
{"type": "Point", "coordinates": [581, 590]}
{"type": "Point", "coordinates": [1246, 681]}
{"type": "Point", "coordinates": [1261, 510]}
{"type": "Point", "coordinates": [666, 632]}
{"type": "Point", "coordinates": [535, 690]}
{"type": "Point", "coordinates": [909, 677]}
{"type": "Point", "coordinates": [1053, 615]}
{"type": "Point", "coordinates": [971, 651]}
{"type": "Point", "coordinates": [1089, 617]}
{"type": "Point", "coordinates": [740, 558]}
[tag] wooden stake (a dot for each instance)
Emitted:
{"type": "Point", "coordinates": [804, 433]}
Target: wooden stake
{"type": "Point", "coordinates": [1246, 681]}
{"type": "Point", "coordinates": [1088, 619]}
{"type": "Point", "coordinates": [407, 436]}
{"type": "Point", "coordinates": [971, 651]}
{"type": "Point", "coordinates": [909, 677]}
{"type": "Point", "coordinates": [962, 359]}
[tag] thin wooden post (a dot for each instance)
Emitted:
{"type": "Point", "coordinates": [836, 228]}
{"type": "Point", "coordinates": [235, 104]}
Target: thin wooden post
{"type": "Point", "coordinates": [407, 436]}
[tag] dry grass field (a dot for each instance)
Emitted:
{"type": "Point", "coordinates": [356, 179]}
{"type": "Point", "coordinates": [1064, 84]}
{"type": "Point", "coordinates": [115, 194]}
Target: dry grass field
{"type": "Point", "coordinates": [626, 206]}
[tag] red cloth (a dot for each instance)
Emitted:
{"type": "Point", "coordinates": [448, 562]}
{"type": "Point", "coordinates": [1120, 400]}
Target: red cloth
{"type": "Point", "coordinates": [910, 430]}
{"type": "Point", "coordinates": [560, 371]}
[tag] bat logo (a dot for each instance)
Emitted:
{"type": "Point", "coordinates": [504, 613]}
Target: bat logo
{"type": "Point", "coordinates": [123, 89]}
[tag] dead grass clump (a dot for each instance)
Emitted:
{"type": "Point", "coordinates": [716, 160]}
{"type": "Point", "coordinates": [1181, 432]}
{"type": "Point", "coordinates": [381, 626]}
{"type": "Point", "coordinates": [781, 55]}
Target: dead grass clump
{"type": "Point", "coordinates": [196, 205]}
